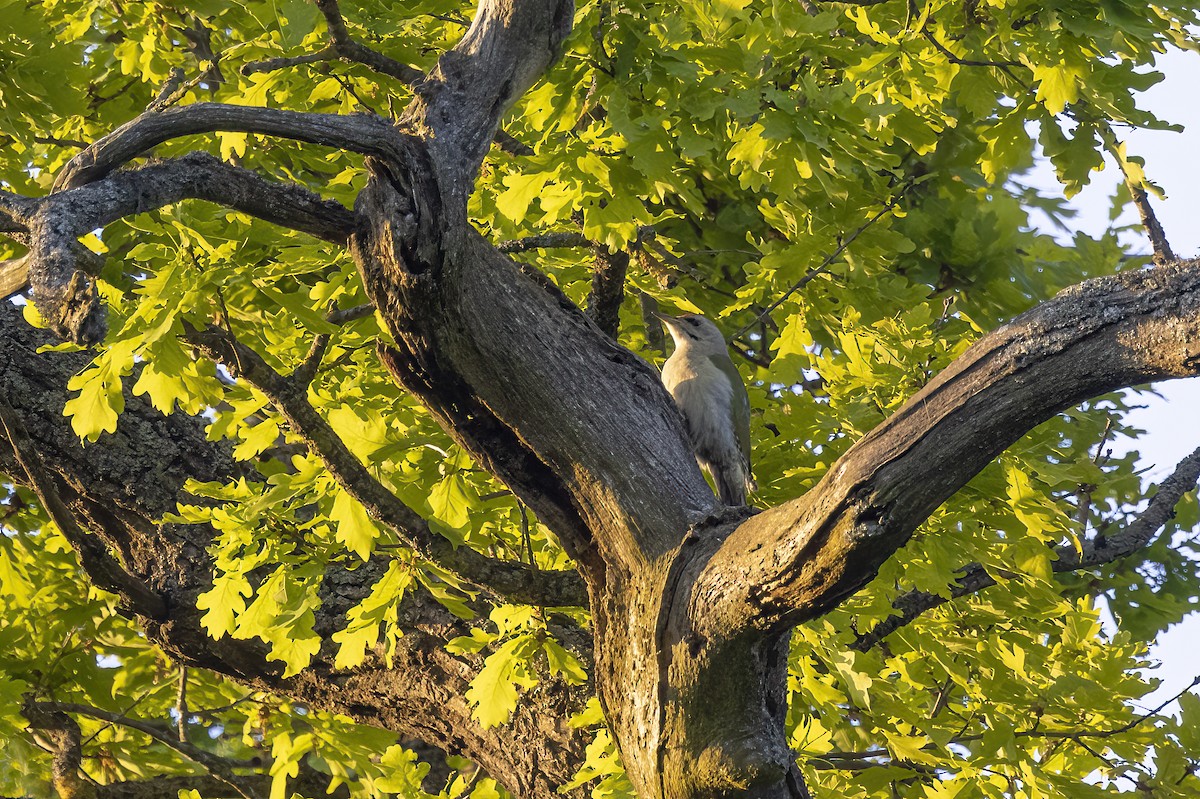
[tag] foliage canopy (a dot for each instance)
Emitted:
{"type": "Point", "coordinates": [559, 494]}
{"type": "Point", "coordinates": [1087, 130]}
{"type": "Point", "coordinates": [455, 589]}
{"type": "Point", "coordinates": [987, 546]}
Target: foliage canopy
{"type": "Point", "coordinates": [840, 183]}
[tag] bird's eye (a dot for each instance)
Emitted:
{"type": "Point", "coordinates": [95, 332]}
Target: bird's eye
{"type": "Point", "coordinates": [693, 320]}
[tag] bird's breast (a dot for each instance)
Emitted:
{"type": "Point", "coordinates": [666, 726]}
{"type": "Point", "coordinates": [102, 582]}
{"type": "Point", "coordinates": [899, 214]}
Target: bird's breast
{"type": "Point", "coordinates": [701, 390]}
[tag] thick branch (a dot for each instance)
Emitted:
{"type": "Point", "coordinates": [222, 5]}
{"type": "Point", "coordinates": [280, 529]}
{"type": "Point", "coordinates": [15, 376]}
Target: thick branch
{"type": "Point", "coordinates": [361, 133]}
{"type": "Point", "coordinates": [65, 736]}
{"type": "Point", "coordinates": [608, 288]}
{"type": "Point", "coordinates": [798, 560]}
{"type": "Point", "coordinates": [15, 211]}
{"type": "Point", "coordinates": [343, 47]}
{"type": "Point", "coordinates": [200, 176]}
{"type": "Point", "coordinates": [59, 267]}
{"type": "Point", "coordinates": [459, 106]}
{"type": "Point", "coordinates": [106, 571]}
{"type": "Point", "coordinates": [516, 582]}
{"type": "Point", "coordinates": [581, 429]}
{"type": "Point", "coordinates": [14, 276]}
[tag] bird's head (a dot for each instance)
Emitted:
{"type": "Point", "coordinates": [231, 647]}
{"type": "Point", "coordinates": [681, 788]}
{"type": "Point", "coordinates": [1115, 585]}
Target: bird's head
{"type": "Point", "coordinates": [694, 333]}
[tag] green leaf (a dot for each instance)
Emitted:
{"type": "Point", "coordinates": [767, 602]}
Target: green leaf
{"type": "Point", "coordinates": [365, 436]}
{"type": "Point", "coordinates": [224, 603]}
{"type": "Point", "coordinates": [99, 400]}
{"type": "Point", "coordinates": [451, 502]}
{"type": "Point", "coordinates": [281, 615]}
{"type": "Point", "coordinates": [352, 527]}
{"type": "Point", "coordinates": [563, 662]}
{"type": "Point", "coordinates": [1058, 85]}
{"type": "Point", "coordinates": [857, 684]}
{"type": "Point", "coordinates": [522, 189]}
{"type": "Point", "coordinates": [494, 691]}
{"type": "Point", "coordinates": [379, 608]}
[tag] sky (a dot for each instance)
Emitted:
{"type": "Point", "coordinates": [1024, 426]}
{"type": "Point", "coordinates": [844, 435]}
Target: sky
{"type": "Point", "coordinates": [1172, 422]}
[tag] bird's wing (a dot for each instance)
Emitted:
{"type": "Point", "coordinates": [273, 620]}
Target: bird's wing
{"type": "Point", "coordinates": [739, 403]}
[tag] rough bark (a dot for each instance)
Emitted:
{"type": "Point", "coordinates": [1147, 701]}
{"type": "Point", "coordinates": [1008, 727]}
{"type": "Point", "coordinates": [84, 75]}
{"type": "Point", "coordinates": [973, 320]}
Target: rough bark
{"type": "Point", "coordinates": [691, 602]}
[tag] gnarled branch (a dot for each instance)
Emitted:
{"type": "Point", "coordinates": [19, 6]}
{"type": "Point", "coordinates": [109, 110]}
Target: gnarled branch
{"type": "Point", "coordinates": [418, 693]}
{"type": "Point", "coordinates": [458, 107]}
{"type": "Point", "coordinates": [361, 133]}
{"type": "Point", "coordinates": [60, 268]}
{"type": "Point", "coordinates": [106, 571]}
{"type": "Point", "coordinates": [798, 560]}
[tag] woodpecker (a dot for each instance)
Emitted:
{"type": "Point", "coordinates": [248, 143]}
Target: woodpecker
{"type": "Point", "coordinates": [709, 391]}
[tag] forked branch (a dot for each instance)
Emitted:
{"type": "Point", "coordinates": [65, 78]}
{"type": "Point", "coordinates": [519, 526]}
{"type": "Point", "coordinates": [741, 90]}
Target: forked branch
{"type": "Point", "coordinates": [342, 46]}
{"type": "Point", "coordinates": [459, 106]}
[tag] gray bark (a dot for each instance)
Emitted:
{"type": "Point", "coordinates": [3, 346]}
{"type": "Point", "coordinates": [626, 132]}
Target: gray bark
{"type": "Point", "coordinates": [691, 602]}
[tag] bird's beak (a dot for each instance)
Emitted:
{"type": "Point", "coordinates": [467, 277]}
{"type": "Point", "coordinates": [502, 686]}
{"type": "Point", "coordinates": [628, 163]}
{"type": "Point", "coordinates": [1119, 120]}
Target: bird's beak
{"type": "Point", "coordinates": [674, 326]}
{"type": "Point", "coordinates": [670, 320]}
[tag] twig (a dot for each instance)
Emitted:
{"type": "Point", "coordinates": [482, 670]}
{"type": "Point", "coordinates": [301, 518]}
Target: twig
{"type": "Point", "coordinates": [1163, 254]}
{"type": "Point", "coordinates": [871, 757]}
{"type": "Point", "coordinates": [181, 707]}
{"type": "Point", "coordinates": [219, 767]}
{"type": "Point", "coordinates": [966, 62]}
{"type": "Point", "coordinates": [1074, 735]}
{"type": "Point", "coordinates": [169, 88]}
{"type": "Point", "coordinates": [824, 265]}
{"type": "Point", "coordinates": [327, 53]}
{"type": "Point", "coordinates": [344, 47]}
{"type": "Point", "coordinates": [513, 581]}
{"type": "Point", "coordinates": [199, 37]}
{"type": "Point", "coordinates": [545, 241]}
{"type": "Point", "coordinates": [59, 142]}
{"type": "Point", "coordinates": [225, 320]}
{"type": "Point", "coordinates": [758, 360]}
{"type": "Point", "coordinates": [347, 315]}
{"type": "Point", "coordinates": [303, 375]}
{"type": "Point", "coordinates": [1096, 552]}
{"type": "Point", "coordinates": [1083, 495]}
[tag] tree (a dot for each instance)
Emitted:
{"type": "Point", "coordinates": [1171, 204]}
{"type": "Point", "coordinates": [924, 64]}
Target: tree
{"type": "Point", "coordinates": [366, 504]}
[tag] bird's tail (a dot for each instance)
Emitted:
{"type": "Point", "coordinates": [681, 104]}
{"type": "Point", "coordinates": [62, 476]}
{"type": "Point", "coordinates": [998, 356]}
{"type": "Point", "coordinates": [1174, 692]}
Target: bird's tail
{"type": "Point", "coordinates": [733, 485]}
